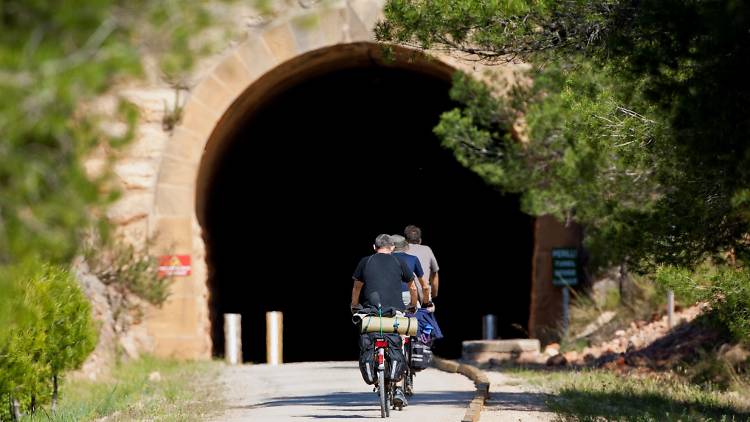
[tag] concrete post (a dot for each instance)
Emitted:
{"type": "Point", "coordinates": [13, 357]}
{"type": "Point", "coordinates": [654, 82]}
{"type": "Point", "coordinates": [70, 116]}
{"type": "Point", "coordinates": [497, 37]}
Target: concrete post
{"type": "Point", "coordinates": [489, 327]}
{"type": "Point", "coordinates": [274, 338]}
{"type": "Point", "coordinates": [233, 339]}
{"type": "Point", "coordinates": [670, 308]}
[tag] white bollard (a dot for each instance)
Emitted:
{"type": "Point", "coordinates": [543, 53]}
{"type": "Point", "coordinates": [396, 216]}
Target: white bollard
{"type": "Point", "coordinates": [670, 308]}
{"type": "Point", "coordinates": [233, 339]}
{"type": "Point", "coordinates": [274, 338]}
{"type": "Point", "coordinates": [489, 327]}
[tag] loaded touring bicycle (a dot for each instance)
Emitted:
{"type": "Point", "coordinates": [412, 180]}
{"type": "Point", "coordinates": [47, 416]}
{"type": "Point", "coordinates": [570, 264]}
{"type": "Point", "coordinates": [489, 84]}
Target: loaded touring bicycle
{"type": "Point", "coordinates": [382, 359]}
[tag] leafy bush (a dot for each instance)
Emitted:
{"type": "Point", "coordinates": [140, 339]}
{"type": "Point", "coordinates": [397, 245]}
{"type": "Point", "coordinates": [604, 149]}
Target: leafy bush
{"type": "Point", "coordinates": [129, 269]}
{"type": "Point", "coordinates": [724, 288]}
{"type": "Point", "coordinates": [55, 58]}
{"type": "Point", "coordinates": [52, 332]}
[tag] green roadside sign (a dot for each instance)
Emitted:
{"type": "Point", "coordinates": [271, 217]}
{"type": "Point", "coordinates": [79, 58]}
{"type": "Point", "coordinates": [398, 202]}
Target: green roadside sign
{"type": "Point", "coordinates": [564, 266]}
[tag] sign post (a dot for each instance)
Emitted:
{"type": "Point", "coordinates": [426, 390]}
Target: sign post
{"type": "Point", "coordinates": [565, 274]}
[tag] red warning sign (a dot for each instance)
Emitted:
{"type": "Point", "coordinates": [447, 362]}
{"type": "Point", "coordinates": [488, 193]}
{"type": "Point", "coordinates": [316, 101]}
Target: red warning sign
{"type": "Point", "coordinates": [174, 265]}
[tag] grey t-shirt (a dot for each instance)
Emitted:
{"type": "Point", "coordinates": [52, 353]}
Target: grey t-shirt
{"type": "Point", "coordinates": [426, 259]}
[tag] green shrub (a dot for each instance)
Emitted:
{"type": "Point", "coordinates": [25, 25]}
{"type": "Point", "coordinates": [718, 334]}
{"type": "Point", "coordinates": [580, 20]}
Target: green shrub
{"type": "Point", "coordinates": [71, 334]}
{"type": "Point", "coordinates": [725, 289]}
{"type": "Point", "coordinates": [130, 270]}
{"type": "Point", "coordinates": [21, 366]}
{"type": "Point", "coordinates": [51, 331]}
{"type": "Point", "coordinates": [55, 58]}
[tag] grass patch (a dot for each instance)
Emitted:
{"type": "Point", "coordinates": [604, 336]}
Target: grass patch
{"type": "Point", "coordinates": [184, 393]}
{"type": "Point", "coordinates": [598, 395]}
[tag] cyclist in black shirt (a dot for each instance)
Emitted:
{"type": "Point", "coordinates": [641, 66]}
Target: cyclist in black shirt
{"type": "Point", "coordinates": [381, 275]}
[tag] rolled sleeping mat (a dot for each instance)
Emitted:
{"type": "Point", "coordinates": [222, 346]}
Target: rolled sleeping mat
{"type": "Point", "coordinates": [389, 325]}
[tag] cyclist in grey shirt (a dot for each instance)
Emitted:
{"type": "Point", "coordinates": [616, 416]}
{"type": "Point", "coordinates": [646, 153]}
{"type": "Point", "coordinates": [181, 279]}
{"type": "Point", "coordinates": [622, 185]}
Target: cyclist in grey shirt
{"type": "Point", "coordinates": [426, 258]}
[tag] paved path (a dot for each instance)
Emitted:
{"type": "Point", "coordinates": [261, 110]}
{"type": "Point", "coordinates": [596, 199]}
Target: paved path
{"type": "Point", "coordinates": [512, 401]}
{"type": "Point", "coordinates": [334, 391]}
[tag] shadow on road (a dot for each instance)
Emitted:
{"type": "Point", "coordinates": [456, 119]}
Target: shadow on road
{"type": "Point", "coordinates": [517, 401]}
{"type": "Point", "coordinates": [340, 401]}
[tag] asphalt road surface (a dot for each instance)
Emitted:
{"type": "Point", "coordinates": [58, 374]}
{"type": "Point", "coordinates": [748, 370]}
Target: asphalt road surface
{"type": "Point", "coordinates": [334, 391]}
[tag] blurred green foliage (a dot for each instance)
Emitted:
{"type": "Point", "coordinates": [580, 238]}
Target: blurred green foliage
{"type": "Point", "coordinates": [636, 116]}
{"type": "Point", "coordinates": [55, 58]}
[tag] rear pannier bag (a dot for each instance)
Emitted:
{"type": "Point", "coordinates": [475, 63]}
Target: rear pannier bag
{"type": "Point", "coordinates": [421, 355]}
{"type": "Point", "coordinates": [367, 361]}
{"type": "Point", "coordinates": [396, 358]}
{"type": "Point", "coordinates": [395, 363]}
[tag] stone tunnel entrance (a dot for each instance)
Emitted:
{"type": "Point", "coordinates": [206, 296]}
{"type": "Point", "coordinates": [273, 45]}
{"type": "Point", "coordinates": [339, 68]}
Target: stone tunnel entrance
{"type": "Point", "coordinates": [314, 173]}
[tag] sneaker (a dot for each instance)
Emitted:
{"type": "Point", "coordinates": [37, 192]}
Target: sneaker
{"type": "Point", "coordinates": [399, 399]}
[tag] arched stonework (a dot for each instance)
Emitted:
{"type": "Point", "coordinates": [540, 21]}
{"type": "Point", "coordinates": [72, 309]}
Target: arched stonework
{"type": "Point", "coordinates": [331, 36]}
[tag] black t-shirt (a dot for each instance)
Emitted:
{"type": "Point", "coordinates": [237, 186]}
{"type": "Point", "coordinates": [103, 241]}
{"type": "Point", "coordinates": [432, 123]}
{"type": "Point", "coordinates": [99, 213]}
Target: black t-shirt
{"type": "Point", "coordinates": [383, 274]}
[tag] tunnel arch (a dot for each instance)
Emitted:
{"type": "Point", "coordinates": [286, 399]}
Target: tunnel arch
{"type": "Point", "coordinates": [295, 71]}
{"type": "Point", "coordinates": [353, 65]}
{"type": "Point", "coordinates": [265, 62]}
{"type": "Point", "coordinates": [279, 57]}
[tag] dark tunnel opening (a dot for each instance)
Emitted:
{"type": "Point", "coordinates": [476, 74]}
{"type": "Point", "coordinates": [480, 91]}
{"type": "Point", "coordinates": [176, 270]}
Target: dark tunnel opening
{"type": "Point", "coordinates": [315, 175]}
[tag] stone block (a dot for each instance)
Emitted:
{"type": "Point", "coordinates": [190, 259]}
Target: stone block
{"type": "Point", "coordinates": [192, 347]}
{"type": "Point", "coordinates": [517, 350]}
{"type": "Point", "coordinates": [151, 102]}
{"type": "Point", "coordinates": [131, 207]}
{"type": "Point", "coordinates": [177, 172]}
{"type": "Point", "coordinates": [358, 30]}
{"type": "Point", "coordinates": [177, 316]}
{"type": "Point", "coordinates": [149, 141]}
{"type": "Point", "coordinates": [306, 32]}
{"type": "Point", "coordinates": [333, 25]}
{"type": "Point", "coordinates": [198, 119]}
{"type": "Point", "coordinates": [134, 233]}
{"type": "Point", "coordinates": [281, 42]}
{"type": "Point", "coordinates": [367, 11]}
{"type": "Point", "coordinates": [137, 173]}
{"type": "Point", "coordinates": [174, 200]}
{"type": "Point", "coordinates": [256, 56]}
{"type": "Point", "coordinates": [506, 346]}
{"type": "Point", "coordinates": [214, 95]}
{"type": "Point", "coordinates": [185, 146]}
{"type": "Point", "coordinates": [172, 235]}
{"type": "Point", "coordinates": [233, 74]}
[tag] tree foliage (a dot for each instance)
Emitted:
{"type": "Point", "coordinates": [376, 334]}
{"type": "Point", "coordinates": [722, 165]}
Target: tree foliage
{"type": "Point", "coordinates": [726, 290]}
{"type": "Point", "coordinates": [636, 115]}
{"type": "Point", "coordinates": [55, 57]}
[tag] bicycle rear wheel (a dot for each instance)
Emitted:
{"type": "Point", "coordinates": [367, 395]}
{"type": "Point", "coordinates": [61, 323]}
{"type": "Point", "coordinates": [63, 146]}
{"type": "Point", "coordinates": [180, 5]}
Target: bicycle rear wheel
{"type": "Point", "coordinates": [383, 393]}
